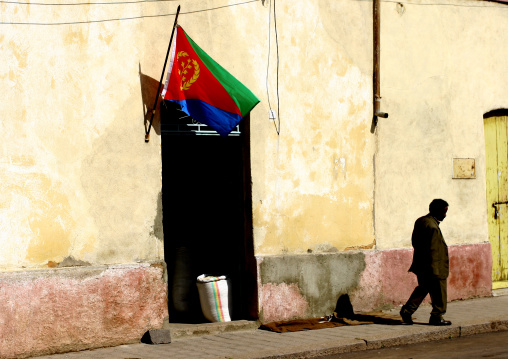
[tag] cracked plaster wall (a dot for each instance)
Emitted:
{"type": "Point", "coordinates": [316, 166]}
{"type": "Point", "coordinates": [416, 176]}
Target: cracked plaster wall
{"type": "Point", "coordinates": [313, 182]}
{"type": "Point", "coordinates": [76, 177]}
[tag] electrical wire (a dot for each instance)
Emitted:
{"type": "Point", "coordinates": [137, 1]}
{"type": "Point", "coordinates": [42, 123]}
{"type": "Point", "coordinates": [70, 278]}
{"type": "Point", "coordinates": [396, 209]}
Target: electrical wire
{"type": "Point", "coordinates": [123, 18]}
{"type": "Point", "coordinates": [277, 47]}
{"type": "Point", "coordinates": [268, 62]}
{"type": "Point", "coordinates": [499, 2]}
{"type": "Point", "coordinates": [80, 3]}
{"type": "Point", "coordinates": [148, 1]}
{"type": "Point", "coordinates": [277, 127]}
{"type": "Point", "coordinates": [454, 5]}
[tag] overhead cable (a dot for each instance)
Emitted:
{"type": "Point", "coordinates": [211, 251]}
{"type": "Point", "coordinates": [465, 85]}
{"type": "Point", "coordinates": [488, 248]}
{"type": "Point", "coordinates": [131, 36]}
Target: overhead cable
{"type": "Point", "coordinates": [122, 18]}
{"type": "Point", "coordinates": [80, 3]}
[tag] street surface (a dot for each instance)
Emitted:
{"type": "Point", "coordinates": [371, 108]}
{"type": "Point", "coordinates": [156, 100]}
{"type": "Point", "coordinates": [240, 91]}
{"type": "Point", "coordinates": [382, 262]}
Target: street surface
{"type": "Point", "coordinates": [490, 345]}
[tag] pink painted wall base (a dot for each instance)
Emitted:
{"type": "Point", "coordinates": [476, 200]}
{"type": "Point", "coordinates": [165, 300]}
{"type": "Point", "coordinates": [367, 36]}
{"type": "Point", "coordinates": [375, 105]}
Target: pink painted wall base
{"type": "Point", "coordinates": [69, 309]}
{"type": "Point", "coordinates": [308, 286]}
{"type": "Point", "coordinates": [386, 281]}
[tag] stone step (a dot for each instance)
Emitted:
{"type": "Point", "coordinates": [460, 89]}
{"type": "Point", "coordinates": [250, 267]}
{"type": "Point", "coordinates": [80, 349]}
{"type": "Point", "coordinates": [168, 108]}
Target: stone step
{"type": "Point", "coordinates": [182, 330]}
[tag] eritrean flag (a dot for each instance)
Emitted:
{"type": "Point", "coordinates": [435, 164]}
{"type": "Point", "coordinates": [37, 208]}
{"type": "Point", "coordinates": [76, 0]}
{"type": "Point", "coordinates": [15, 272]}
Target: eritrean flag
{"type": "Point", "coordinates": [204, 89]}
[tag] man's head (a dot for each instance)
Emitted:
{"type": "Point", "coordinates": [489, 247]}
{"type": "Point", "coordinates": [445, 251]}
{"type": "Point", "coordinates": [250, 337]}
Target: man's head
{"type": "Point", "coordinates": [438, 209]}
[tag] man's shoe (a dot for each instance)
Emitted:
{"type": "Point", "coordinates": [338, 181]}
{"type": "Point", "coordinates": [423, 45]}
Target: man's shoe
{"type": "Point", "coordinates": [439, 322]}
{"type": "Point", "coordinates": [406, 316]}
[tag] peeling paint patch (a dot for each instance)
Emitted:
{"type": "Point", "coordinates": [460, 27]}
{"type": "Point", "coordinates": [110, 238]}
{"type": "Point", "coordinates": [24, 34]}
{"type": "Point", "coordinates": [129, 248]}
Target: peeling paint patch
{"type": "Point", "coordinates": [106, 38]}
{"type": "Point", "coordinates": [36, 212]}
{"type": "Point", "coordinates": [282, 301]}
{"type": "Point", "coordinates": [157, 228]}
{"type": "Point", "coordinates": [76, 37]}
{"type": "Point", "coordinates": [72, 262]}
{"type": "Point", "coordinates": [324, 248]}
{"type": "Point", "coordinates": [23, 161]}
{"type": "Point", "coordinates": [341, 163]}
{"type": "Point", "coordinates": [355, 248]}
{"type": "Point", "coordinates": [20, 54]}
{"type": "Point", "coordinates": [50, 220]}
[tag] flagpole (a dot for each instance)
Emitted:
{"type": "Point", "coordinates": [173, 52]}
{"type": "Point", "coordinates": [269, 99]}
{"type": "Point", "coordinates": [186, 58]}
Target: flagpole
{"type": "Point", "coordinates": [147, 135]}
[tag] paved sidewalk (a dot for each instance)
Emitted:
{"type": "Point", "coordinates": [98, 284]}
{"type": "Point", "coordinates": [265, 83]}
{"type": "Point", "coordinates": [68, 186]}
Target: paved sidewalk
{"type": "Point", "coordinates": [468, 317]}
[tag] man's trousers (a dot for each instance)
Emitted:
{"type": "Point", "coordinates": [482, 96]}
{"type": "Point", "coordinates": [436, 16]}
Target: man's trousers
{"type": "Point", "coordinates": [437, 289]}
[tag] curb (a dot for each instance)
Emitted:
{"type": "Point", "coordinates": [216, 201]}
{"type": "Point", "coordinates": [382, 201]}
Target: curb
{"type": "Point", "coordinates": [480, 328]}
{"type": "Point", "coordinates": [383, 340]}
{"type": "Point", "coordinates": [304, 352]}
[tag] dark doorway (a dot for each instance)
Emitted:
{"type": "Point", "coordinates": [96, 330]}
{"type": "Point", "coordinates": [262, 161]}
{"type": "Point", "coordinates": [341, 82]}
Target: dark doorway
{"type": "Point", "coordinates": [206, 214]}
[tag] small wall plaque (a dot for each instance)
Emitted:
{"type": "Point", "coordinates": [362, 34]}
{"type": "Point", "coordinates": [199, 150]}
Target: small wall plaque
{"type": "Point", "coordinates": [464, 168]}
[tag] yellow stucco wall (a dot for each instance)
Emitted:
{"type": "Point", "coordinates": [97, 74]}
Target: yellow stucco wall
{"type": "Point", "coordinates": [313, 183]}
{"type": "Point", "coordinates": [318, 184]}
{"type": "Point", "coordinates": [442, 67]}
{"type": "Point", "coordinates": [77, 178]}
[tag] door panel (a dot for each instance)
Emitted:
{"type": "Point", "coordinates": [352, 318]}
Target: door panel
{"type": "Point", "coordinates": [502, 167]}
{"type": "Point", "coordinates": [496, 145]}
{"type": "Point", "coordinates": [492, 191]}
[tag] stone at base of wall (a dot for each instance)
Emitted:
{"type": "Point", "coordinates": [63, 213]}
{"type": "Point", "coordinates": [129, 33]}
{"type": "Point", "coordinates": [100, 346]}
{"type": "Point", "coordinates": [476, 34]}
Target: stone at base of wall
{"type": "Point", "coordinates": [157, 336]}
{"type": "Point", "coordinates": [68, 309]}
{"type": "Point", "coordinates": [309, 285]}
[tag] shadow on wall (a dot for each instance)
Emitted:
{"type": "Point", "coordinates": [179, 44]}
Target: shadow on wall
{"type": "Point", "coordinates": [149, 88]}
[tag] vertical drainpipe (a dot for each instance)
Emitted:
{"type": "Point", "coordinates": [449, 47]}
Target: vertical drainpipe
{"type": "Point", "coordinates": [377, 55]}
{"type": "Point", "coordinates": [376, 93]}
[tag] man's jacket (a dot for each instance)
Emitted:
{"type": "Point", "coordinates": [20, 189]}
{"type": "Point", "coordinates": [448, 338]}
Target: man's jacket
{"type": "Point", "coordinates": [430, 256]}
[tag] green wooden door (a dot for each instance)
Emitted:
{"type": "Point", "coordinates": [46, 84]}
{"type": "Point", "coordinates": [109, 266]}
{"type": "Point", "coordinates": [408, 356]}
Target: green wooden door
{"type": "Point", "coordinates": [496, 143]}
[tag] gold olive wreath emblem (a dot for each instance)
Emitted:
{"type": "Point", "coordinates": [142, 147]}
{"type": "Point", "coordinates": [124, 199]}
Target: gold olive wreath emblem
{"type": "Point", "coordinates": [185, 66]}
